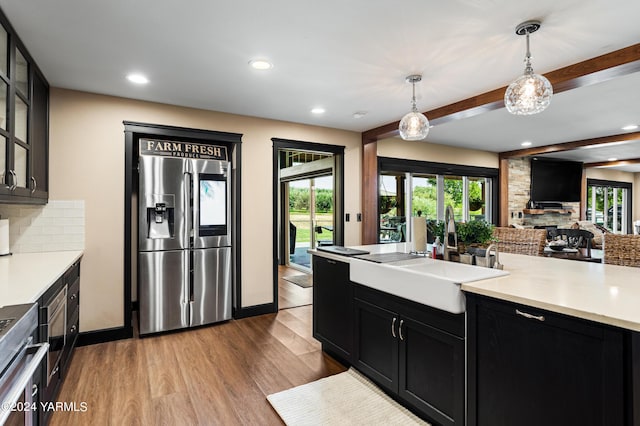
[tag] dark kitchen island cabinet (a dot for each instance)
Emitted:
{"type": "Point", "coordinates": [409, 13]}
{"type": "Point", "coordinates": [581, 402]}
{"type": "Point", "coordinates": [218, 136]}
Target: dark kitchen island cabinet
{"type": "Point", "coordinates": [529, 366]}
{"type": "Point", "coordinates": [333, 307]}
{"type": "Point", "coordinates": [414, 352]}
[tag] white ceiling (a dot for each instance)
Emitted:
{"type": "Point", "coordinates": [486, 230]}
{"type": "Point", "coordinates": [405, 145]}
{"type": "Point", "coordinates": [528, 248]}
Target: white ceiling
{"type": "Point", "coordinates": [346, 56]}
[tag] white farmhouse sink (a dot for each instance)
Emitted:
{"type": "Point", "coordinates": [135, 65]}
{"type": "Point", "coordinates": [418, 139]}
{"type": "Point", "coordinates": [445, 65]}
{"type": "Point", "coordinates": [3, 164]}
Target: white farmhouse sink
{"type": "Point", "coordinates": [431, 282]}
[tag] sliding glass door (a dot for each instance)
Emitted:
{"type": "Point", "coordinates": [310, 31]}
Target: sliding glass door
{"type": "Point", "coordinates": [311, 217]}
{"type": "Point", "coordinates": [609, 205]}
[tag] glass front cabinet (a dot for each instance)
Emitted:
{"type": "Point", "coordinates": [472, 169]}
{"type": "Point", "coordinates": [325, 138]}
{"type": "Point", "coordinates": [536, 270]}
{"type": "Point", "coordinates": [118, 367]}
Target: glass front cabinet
{"type": "Point", "coordinates": [24, 127]}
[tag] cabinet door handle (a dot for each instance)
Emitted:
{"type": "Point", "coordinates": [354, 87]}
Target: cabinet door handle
{"type": "Point", "coordinates": [400, 330]}
{"type": "Point", "coordinates": [393, 327]}
{"type": "Point", "coordinates": [73, 329]}
{"type": "Point", "coordinates": [526, 315]}
{"type": "Point", "coordinates": [35, 184]}
{"type": "Point", "coordinates": [72, 297]}
{"type": "Point", "coordinates": [333, 262]}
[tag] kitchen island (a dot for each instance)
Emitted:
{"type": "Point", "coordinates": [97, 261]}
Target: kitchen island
{"type": "Point", "coordinates": [553, 342]}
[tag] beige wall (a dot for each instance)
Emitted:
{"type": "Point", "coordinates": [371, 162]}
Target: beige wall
{"type": "Point", "coordinates": [87, 163]}
{"type": "Point", "coordinates": [608, 174]}
{"type": "Point", "coordinates": [426, 151]}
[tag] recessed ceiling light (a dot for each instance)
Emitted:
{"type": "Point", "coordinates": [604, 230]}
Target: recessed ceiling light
{"type": "Point", "coordinates": [318, 110]}
{"type": "Point", "coordinates": [137, 78]}
{"type": "Point", "coordinates": [526, 143]}
{"type": "Point", "coordinates": [260, 64]}
{"type": "Point", "coordinates": [612, 159]}
{"type": "Point", "coordinates": [630, 127]}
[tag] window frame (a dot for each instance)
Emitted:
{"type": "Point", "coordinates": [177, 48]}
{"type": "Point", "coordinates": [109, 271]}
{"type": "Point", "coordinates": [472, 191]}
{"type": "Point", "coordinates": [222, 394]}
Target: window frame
{"type": "Point", "coordinates": [627, 212]}
{"type": "Point", "coordinates": [388, 165]}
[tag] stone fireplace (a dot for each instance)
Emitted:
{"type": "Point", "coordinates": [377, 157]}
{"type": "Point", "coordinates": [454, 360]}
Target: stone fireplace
{"type": "Point", "coordinates": [519, 194]}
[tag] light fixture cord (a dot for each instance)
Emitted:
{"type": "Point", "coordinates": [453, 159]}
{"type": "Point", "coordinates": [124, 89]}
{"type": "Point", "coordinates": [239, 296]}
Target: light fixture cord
{"type": "Point", "coordinates": [528, 69]}
{"type": "Point", "coordinates": [413, 98]}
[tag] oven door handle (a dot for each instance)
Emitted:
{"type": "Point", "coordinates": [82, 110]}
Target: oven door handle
{"type": "Point", "coordinates": [23, 379]}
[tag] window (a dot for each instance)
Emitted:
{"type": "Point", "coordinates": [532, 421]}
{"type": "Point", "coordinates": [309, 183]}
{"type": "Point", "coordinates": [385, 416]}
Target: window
{"type": "Point", "coordinates": [609, 205]}
{"type": "Point", "coordinates": [415, 188]}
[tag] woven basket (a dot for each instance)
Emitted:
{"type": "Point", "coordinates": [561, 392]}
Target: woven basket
{"type": "Point", "coordinates": [622, 249]}
{"type": "Point", "coordinates": [521, 241]}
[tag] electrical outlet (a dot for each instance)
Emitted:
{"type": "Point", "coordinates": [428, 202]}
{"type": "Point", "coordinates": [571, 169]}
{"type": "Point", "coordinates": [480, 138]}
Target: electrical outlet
{"type": "Point", "coordinates": [347, 217]}
{"type": "Point", "coordinates": [359, 217]}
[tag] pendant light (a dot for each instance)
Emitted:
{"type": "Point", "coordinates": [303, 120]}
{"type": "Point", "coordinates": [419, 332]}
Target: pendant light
{"type": "Point", "coordinates": [414, 126]}
{"type": "Point", "coordinates": [530, 93]}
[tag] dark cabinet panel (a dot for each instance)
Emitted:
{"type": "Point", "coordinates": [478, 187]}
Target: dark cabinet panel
{"type": "Point", "coordinates": [376, 350]}
{"type": "Point", "coordinates": [432, 371]}
{"type": "Point", "coordinates": [421, 364]}
{"type": "Point", "coordinates": [39, 182]}
{"type": "Point", "coordinates": [333, 307]}
{"type": "Point", "coordinates": [533, 367]}
{"type": "Point", "coordinates": [24, 125]}
{"type": "Point", "coordinates": [50, 387]}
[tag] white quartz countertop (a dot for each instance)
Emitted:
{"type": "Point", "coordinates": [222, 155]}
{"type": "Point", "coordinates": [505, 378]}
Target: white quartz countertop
{"type": "Point", "coordinates": [608, 294]}
{"type": "Point", "coordinates": [24, 277]}
{"type": "Point", "coordinates": [372, 249]}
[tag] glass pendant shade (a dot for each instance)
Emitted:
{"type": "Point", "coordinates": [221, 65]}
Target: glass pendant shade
{"type": "Point", "coordinates": [529, 94]}
{"type": "Point", "coordinates": [414, 126]}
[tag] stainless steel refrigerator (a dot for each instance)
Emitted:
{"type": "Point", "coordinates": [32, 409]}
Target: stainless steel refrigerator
{"type": "Point", "coordinates": [184, 241]}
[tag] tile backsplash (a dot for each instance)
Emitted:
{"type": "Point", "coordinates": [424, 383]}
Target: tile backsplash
{"type": "Point", "coordinates": [56, 226]}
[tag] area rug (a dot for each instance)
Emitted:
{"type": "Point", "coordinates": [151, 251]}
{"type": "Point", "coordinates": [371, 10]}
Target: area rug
{"type": "Point", "coordinates": [343, 399]}
{"type": "Point", "coordinates": [304, 280]}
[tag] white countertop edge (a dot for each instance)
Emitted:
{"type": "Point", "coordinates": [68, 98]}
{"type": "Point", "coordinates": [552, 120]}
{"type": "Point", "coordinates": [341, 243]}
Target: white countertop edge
{"type": "Point", "coordinates": [576, 313]}
{"type": "Point", "coordinates": [52, 265]}
{"type": "Point", "coordinates": [599, 313]}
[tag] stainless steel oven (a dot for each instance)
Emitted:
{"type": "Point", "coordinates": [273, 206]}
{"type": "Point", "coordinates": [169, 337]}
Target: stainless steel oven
{"type": "Point", "coordinates": [19, 365]}
{"type": "Point", "coordinates": [56, 328]}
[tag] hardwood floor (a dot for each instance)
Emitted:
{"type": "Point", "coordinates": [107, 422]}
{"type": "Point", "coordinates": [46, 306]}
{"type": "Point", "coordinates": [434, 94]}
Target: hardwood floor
{"type": "Point", "coordinates": [289, 294]}
{"type": "Point", "coordinates": [216, 375]}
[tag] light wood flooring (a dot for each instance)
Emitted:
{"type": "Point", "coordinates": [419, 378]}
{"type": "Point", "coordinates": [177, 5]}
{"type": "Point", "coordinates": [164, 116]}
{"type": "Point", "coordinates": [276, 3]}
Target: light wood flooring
{"type": "Point", "coordinates": [216, 375]}
{"type": "Point", "coordinates": [290, 294]}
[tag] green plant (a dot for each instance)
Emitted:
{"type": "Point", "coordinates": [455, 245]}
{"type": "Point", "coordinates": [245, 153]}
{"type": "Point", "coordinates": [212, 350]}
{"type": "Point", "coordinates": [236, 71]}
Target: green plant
{"type": "Point", "coordinates": [475, 203]}
{"type": "Point", "coordinates": [475, 232]}
{"type": "Point", "coordinates": [435, 228]}
{"type": "Point", "coordinates": [387, 202]}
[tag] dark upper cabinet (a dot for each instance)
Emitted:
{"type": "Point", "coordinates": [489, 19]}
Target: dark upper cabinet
{"type": "Point", "coordinates": [534, 367]}
{"type": "Point", "coordinates": [412, 351]}
{"type": "Point", "coordinates": [24, 124]}
{"type": "Point", "coordinates": [333, 307]}
{"type": "Point", "coordinates": [39, 181]}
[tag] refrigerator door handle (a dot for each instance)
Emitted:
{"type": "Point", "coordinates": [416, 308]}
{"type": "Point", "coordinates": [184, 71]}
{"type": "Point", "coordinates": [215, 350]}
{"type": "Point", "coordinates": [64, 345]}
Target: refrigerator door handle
{"type": "Point", "coordinates": [195, 211]}
{"type": "Point", "coordinates": [188, 203]}
{"type": "Point", "coordinates": [188, 284]}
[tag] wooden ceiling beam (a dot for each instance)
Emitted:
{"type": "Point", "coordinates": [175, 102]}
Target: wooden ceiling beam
{"type": "Point", "coordinates": [616, 163]}
{"type": "Point", "coordinates": [568, 146]}
{"type": "Point", "coordinates": [601, 68]}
